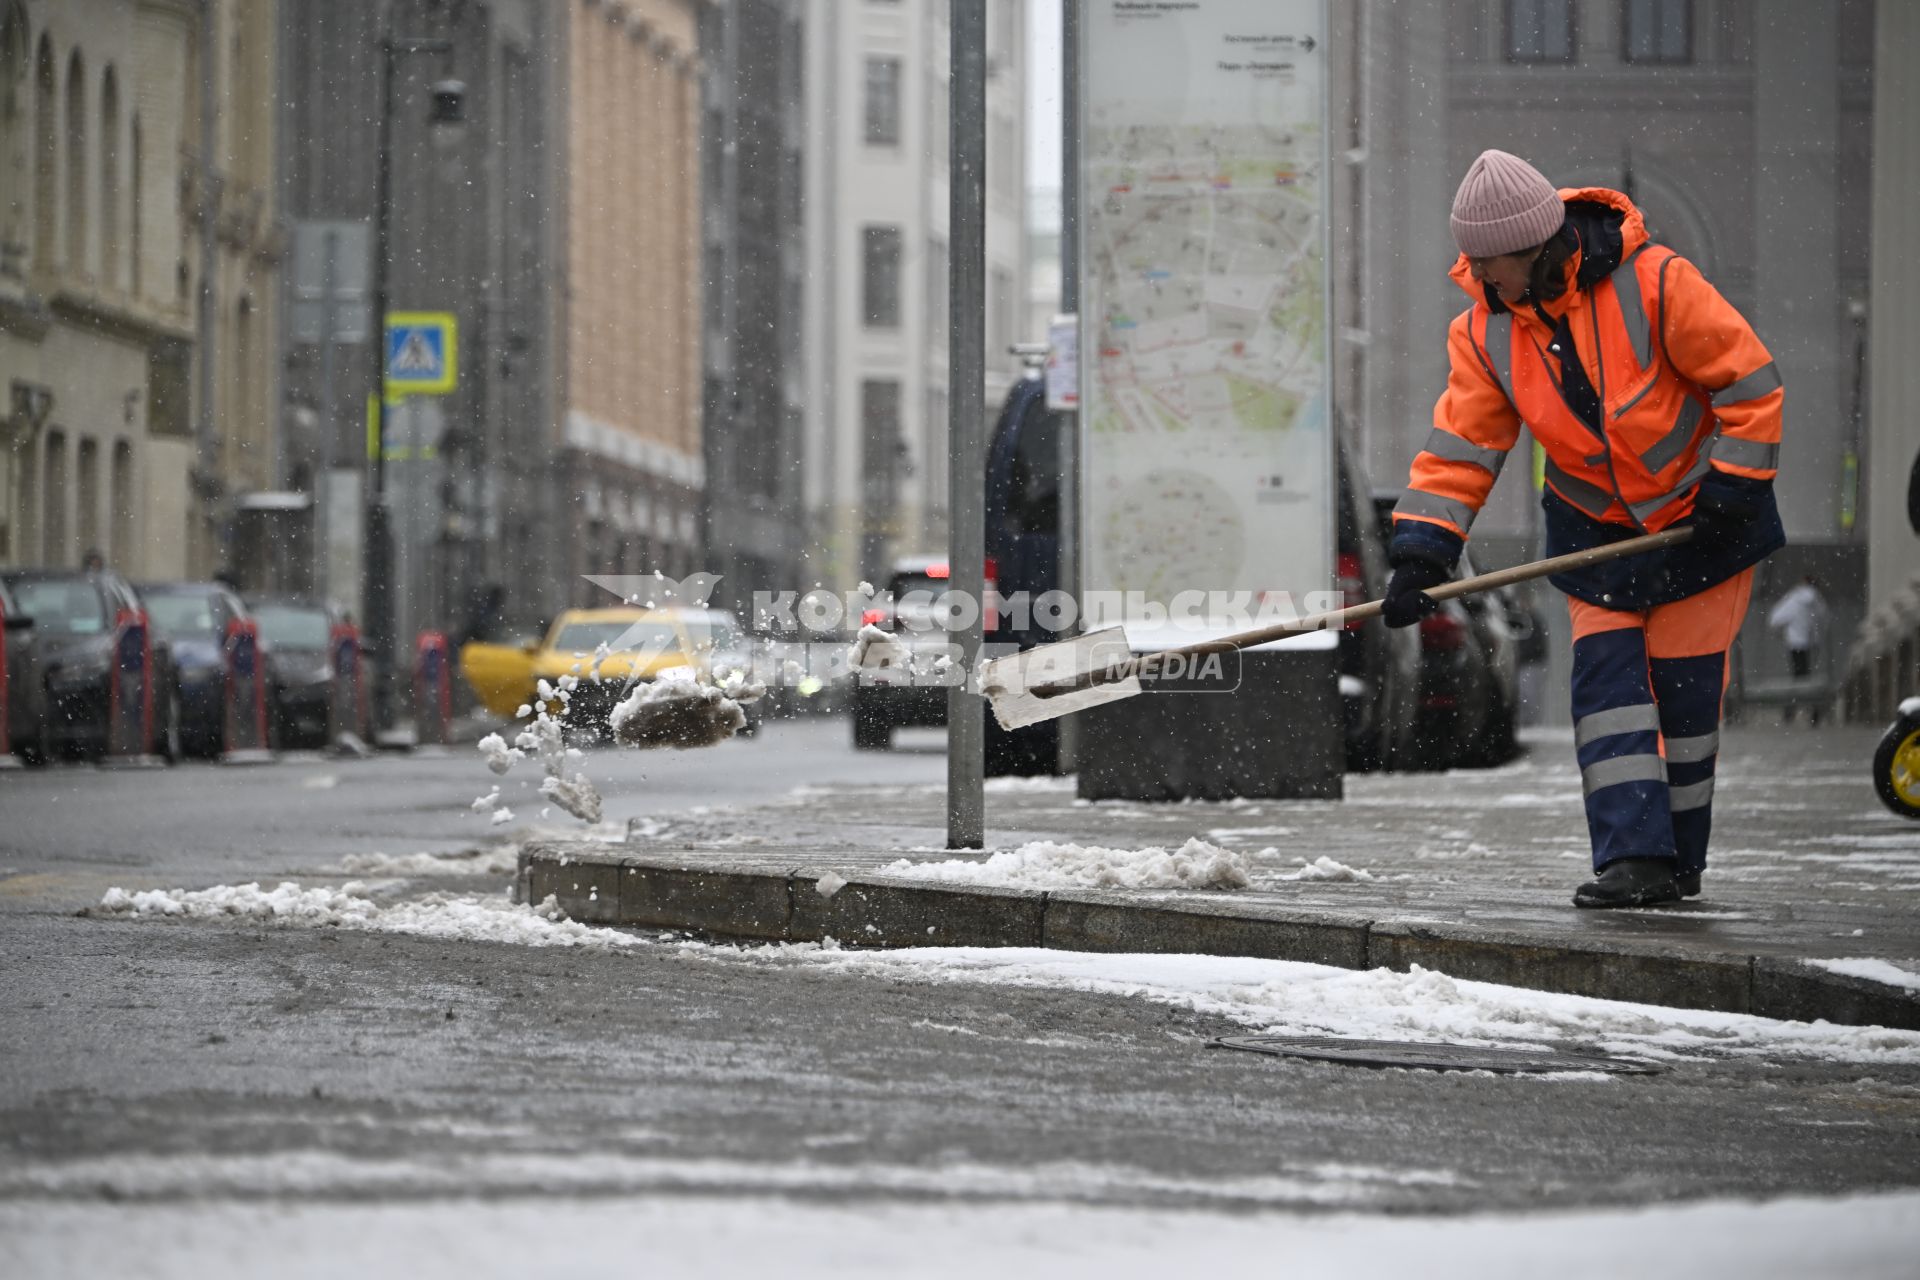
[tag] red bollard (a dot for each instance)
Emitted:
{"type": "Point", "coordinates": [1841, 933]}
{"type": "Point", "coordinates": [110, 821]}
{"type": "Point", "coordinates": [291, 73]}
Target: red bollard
{"type": "Point", "coordinates": [246, 696]}
{"type": "Point", "coordinates": [432, 689]}
{"type": "Point", "coordinates": [347, 709]}
{"type": "Point", "coordinates": [130, 692]}
{"type": "Point", "coordinates": [7, 760]}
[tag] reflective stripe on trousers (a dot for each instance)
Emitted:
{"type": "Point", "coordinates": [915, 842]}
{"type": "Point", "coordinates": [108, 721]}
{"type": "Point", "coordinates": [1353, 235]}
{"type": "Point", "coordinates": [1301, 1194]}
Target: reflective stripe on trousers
{"type": "Point", "coordinates": [1647, 689]}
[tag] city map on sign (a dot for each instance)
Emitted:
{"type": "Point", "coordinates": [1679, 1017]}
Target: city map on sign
{"type": "Point", "coordinates": [1210, 340]}
{"type": "Point", "coordinates": [1204, 321]}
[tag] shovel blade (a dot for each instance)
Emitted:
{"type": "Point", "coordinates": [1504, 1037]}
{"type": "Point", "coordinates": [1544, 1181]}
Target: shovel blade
{"type": "Point", "coordinates": [1008, 682]}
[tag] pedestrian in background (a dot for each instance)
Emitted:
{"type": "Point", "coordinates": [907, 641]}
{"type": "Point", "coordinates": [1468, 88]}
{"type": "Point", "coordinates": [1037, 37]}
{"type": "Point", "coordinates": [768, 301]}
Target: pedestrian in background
{"type": "Point", "coordinates": [1800, 616]}
{"type": "Point", "coordinates": [1656, 406]}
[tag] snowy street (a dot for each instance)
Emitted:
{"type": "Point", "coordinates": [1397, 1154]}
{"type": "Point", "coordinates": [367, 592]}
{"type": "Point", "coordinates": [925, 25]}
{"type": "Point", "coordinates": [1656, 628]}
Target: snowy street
{"type": "Point", "coordinates": [414, 1059]}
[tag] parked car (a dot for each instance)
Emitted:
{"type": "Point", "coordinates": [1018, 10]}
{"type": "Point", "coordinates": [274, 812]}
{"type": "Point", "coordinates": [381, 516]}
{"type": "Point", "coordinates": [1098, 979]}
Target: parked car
{"type": "Point", "coordinates": [190, 619]}
{"type": "Point", "coordinates": [294, 634]}
{"type": "Point", "coordinates": [1379, 665]}
{"type": "Point", "coordinates": [907, 694]}
{"type": "Point", "coordinates": [1469, 689]}
{"type": "Point", "coordinates": [1022, 518]}
{"type": "Point", "coordinates": [73, 616]}
{"type": "Point", "coordinates": [505, 677]}
{"type": "Point", "coordinates": [25, 690]}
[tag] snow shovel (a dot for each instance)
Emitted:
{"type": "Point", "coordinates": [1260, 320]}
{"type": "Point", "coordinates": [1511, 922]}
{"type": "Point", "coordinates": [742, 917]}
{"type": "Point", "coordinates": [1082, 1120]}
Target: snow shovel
{"type": "Point", "coordinates": [1053, 680]}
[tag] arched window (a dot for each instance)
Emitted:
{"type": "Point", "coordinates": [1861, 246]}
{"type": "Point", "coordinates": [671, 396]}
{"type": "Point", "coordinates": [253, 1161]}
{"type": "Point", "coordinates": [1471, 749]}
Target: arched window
{"type": "Point", "coordinates": [76, 210]}
{"type": "Point", "coordinates": [54, 498]}
{"type": "Point", "coordinates": [136, 284]}
{"type": "Point", "coordinates": [46, 155]}
{"type": "Point", "coordinates": [109, 180]}
{"type": "Point", "coordinates": [15, 173]}
{"type": "Point", "coordinates": [120, 544]}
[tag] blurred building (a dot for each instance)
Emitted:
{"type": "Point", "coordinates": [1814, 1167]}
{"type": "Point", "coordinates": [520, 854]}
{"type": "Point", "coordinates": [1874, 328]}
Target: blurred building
{"type": "Point", "coordinates": [101, 192]}
{"type": "Point", "coordinates": [469, 475]}
{"type": "Point", "coordinates": [246, 521]}
{"type": "Point", "coordinates": [626, 196]}
{"type": "Point", "coordinates": [877, 388]}
{"type": "Point", "coordinates": [1743, 130]}
{"type": "Point", "coordinates": [752, 174]}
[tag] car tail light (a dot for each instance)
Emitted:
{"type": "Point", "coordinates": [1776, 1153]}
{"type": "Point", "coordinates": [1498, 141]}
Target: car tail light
{"type": "Point", "coordinates": [941, 570]}
{"type": "Point", "coordinates": [876, 618]}
{"type": "Point", "coordinates": [1442, 631]}
{"type": "Point", "coordinates": [1351, 581]}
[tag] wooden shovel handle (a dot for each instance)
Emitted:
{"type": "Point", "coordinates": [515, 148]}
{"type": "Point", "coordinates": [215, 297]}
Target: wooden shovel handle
{"type": "Point", "coordinates": [1338, 618]}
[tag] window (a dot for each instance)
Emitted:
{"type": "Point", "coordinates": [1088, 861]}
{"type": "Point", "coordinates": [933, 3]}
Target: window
{"type": "Point", "coordinates": [1002, 323]}
{"type": "Point", "coordinates": [46, 155]}
{"type": "Point", "coordinates": [1540, 31]}
{"type": "Point", "coordinates": [880, 445]}
{"type": "Point", "coordinates": [883, 101]}
{"type": "Point", "coordinates": [110, 180]}
{"type": "Point", "coordinates": [1658, 30]}
{"type": "Point", "coordinates": [880, 279]}
{"type": "Point", "coordinates": [76, 210]}
{"type": "Point", "coordinates": [937, 271]}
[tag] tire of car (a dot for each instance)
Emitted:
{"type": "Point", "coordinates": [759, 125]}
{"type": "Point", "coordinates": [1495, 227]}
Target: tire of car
{"type": "Point", "coordinates": [40, 750]}
{"type": "Point", "coordinates": [1497, 742]}
{"type": "Point", "coordinates": [871, 732]}
{"type": "Point", "coordinates": [171, 749]}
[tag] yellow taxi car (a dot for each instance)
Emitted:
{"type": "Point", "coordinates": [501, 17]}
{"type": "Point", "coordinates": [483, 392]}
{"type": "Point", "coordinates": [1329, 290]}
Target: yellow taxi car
{"type": "Point", "coordinates": [641, 643]}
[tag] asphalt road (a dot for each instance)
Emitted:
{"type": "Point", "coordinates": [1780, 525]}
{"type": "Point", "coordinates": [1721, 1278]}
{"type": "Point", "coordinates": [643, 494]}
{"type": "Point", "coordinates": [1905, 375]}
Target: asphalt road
{"type": "Point", "coordinates": [193, 1058]}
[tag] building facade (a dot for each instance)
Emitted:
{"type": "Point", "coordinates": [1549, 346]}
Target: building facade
{"type": "Point", "coordinates": [753, 168]}
{"type": "Point", "coordinates": [98, 275]}
{"type": "Point", "coordinates": [877, 386]}
{"type": "Point", "coordinates": [465, 475]}
{"type": "Point", "coordinates": [242, 525]}
{"type": "Point", "coordinates": [629, 325]}
{"type": "Point", "coordinates": [1676, 102]}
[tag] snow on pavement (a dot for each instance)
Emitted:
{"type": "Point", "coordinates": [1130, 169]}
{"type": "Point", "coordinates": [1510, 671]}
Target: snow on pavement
{"type": "Point", "coordinates": [1285, 997]}
{"type": "Point", "coordinates": [1883, 971]}
{"type": "Point", "coordinates": [1043, 864]}
{"type": "Point", "coordinates": [1270, 996]}
{"type": "Point", "coordinates": [469, 917]}
{"type": "Point", "coordinates": [1866, 1237]}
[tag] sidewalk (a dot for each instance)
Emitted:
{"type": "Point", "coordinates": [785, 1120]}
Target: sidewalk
{"type": "Point", "coordinates": [1468, 873]}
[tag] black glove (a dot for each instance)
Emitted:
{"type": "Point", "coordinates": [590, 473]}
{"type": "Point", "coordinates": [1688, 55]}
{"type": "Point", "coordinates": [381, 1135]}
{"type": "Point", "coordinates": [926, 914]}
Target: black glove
{"type": "Point", "coordinates": [1407, 600]}
{"type": "Point", "coordinates": [1724, 505]}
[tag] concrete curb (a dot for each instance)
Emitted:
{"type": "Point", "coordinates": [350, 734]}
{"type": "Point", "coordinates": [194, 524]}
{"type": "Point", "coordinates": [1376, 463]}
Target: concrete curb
{"type": "Point", "coordinates": [758, 902]}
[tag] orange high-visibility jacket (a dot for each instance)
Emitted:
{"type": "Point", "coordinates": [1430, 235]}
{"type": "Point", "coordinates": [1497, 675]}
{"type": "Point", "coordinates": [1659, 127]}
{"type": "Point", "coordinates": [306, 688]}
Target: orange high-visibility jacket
{"type": "Point", "coordinates": [1684, 384]}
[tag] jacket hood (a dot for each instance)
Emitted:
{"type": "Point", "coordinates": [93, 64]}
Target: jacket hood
{"type": "Point", "coordinates": [1607, 228]}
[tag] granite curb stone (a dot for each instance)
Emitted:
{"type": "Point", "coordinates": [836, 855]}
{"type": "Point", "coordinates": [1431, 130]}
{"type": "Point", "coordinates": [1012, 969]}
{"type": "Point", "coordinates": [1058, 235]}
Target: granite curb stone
{"type": "Point", "coordinates": [769, 902]}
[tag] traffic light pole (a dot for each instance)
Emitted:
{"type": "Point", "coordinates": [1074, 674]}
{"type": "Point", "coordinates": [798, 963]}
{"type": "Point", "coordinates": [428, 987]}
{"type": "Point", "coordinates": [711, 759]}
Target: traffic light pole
{"type": "Point", "coordinates": [377, 565]}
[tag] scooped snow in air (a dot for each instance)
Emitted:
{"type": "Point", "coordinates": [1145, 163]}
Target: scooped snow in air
{"type": "Point", "coordinates": [677, 709]}
{"type": "Point", "coordinates": [874, 649]}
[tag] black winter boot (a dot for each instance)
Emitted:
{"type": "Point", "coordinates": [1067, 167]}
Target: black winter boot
{"type": "Point", "coordinates": [1630, 882]}
{"type": "Point", "coordinates": [1688, 883]}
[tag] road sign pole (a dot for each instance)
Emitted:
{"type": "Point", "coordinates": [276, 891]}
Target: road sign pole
{"type": "Point", "coordinates": [1067, 756]}
{"type": "Point", "coordinates": [966, 468]}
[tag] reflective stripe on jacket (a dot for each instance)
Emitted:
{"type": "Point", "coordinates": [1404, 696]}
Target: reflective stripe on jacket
{"type": "Point", "coordinates": [1683, 385]}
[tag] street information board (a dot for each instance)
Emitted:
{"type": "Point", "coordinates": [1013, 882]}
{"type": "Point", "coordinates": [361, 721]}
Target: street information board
{"type": "Point", "coordinates": [1204, 365]}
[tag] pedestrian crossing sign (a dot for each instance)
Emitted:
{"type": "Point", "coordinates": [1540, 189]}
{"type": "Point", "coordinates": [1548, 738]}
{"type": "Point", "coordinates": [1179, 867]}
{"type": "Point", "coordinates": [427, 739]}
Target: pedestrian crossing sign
{"type": "Point", "coordinates": [422, 353]}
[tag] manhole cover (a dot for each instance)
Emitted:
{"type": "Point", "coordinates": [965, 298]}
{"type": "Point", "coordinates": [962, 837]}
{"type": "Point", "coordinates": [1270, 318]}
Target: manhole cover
{"type": "Point", "coordinates": [1432, 1056]}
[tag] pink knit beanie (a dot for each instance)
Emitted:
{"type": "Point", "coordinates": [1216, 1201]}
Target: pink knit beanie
{"type": "Point", "coordinates": [1504, 205]}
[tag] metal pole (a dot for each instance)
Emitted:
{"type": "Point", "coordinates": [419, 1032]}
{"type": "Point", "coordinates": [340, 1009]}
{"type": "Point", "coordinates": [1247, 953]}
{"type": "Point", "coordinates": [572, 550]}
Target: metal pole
{"type": "Point", "coordinates": [377, 596]}
{"type": "Point", "coordinates": [1068, 752]}
{"type": "Point", "coordinates": [330, 452]}
{"type": "Point", "coordinates": [966, 423]}
{"type": "Point", "coordinates": [377, 591]}
{"type": "Point", "coordinates": [208, 486]}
